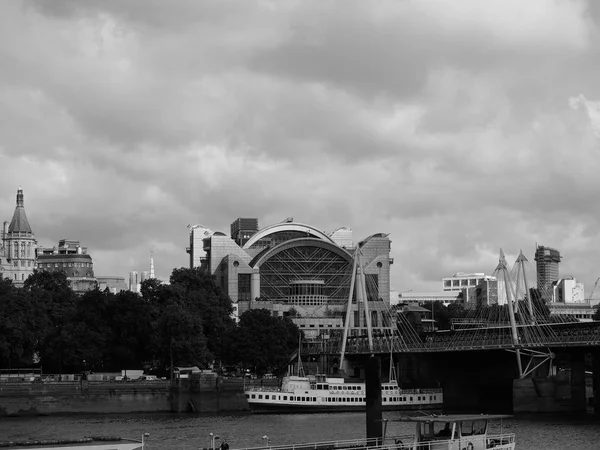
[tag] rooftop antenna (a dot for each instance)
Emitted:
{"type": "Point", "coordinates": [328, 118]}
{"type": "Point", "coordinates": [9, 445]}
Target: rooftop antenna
{"type": "Point", "coordinates": [152, 264]}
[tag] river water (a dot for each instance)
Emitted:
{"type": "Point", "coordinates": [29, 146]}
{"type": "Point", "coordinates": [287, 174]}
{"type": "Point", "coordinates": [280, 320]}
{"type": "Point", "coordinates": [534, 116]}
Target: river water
{"type": "Point", "coordinates": [191, 432]}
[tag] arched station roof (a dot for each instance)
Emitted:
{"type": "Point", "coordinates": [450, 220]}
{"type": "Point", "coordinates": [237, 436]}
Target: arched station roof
{"type": "Point", "coordinates": [299, 242]}
{"type": "Point", "coordinates": [287, 226]}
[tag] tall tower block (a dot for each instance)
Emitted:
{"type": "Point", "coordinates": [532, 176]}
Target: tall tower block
{"type": "Point", "coordinates": [547, 260]}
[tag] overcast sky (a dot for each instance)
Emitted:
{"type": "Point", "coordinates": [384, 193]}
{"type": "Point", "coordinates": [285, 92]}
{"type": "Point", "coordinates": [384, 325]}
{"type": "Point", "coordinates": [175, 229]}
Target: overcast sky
{"type": "Point", "coordinates": [458, 127]}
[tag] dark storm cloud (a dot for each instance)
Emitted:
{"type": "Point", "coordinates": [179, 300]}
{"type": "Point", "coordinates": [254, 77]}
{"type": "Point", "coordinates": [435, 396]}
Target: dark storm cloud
{"type": "Point", "coordinates": [458, 127]}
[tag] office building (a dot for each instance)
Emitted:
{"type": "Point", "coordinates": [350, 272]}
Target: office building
{"type": "Point", "coordinates": [243, 229]}
{"type": "Point", "coordinates": [18, 246]}
{"type": "Point", "coordinates": [547, 260]}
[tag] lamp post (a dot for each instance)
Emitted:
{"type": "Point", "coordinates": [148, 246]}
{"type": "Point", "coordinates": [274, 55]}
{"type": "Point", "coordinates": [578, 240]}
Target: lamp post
{"type": "Point", "coordinates": [213, 438]}
{"type": "Point", "coordinates": [266, 438]}
{"type": "Point", "coordinates": [144, 436]}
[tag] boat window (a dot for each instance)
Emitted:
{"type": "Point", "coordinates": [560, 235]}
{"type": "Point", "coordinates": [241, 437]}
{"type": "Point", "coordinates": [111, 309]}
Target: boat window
{"type": "Point", "coordinates": [259, 396]}
{"type": "Point", "coordinates": [475, 427]}
{"type": "Point", "coordinates": [442, 430]}
{"type": "Point", "coordinates": [479, 427]}
{"type": "Point", "coordinates": [266, 397]}
{"type": "Point", "coordinates": [411, 399]}
{"type": "Point", "coordinates": [285, 397]}
{"type": "Point", "coordinates": [314, 399]}
{"type": "Point", "coordinates": [247, 395]}
{"type": "Point", "coordinates": [253, 396]}
{"type": "Point", "coordinates": [325, 386]}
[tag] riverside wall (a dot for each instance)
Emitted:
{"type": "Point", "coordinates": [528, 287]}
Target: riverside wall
{"type": "Point", "coordinates": [89, 397]}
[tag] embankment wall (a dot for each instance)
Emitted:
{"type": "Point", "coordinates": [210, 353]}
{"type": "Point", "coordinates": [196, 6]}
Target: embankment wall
{"type": "Point", "coordinates": [20, 399]}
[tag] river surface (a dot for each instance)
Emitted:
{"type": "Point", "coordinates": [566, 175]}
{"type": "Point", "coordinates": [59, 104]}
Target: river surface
{"type": "Point", "coordinates": [191, 432]}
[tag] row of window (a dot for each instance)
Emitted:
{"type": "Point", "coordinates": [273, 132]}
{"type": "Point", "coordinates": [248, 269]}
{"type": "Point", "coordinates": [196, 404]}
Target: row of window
{"type": "Point", "coordinates": [62, 265]}
{"type": "Point", "coordinates": [337, 399]}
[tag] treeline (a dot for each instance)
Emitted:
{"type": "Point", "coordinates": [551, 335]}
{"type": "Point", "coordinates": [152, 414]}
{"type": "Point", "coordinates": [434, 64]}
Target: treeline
{"type": "Point", "coordinates": [186, 322]}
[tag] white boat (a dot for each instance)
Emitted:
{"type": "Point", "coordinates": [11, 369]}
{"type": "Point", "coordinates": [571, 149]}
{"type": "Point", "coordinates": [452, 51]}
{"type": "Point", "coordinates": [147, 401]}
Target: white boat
{"type": "Point", "coordinates": [455, 432]}
{"type": "Point", "coordinates": [443, 432]}
{"type": "Point", "coordinates": [88, 443]}
{"type": "Point", "coordinates": [320, 393]}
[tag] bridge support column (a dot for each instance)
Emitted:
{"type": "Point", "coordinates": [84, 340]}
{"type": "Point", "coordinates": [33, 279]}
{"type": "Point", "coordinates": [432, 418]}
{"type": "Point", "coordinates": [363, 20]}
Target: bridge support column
{"type": "Point", "coordinates": [373, 401]}
{"type": "Point", "coordinates": [578, 398]}
{"type": "Point", "coordinates": [596, 380]}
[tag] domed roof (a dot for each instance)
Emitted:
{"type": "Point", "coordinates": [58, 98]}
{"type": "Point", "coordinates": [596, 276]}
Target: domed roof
{"type": "Point", "coordinates": [19, 222]}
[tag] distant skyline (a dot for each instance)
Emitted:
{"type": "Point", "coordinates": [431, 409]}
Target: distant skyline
{"type": "Point", "coordinates": [459, 128]}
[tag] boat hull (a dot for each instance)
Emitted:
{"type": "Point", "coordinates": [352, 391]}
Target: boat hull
{"type": "Point", "coordinates": [271, 408]}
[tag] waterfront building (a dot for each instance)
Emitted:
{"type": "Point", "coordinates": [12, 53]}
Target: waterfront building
{"type": "Point", "coordinates": [72, 259]}
{"type": "Point", "coordinates": [296, 270]}
{"type": "Point", "coordinates": [547, 260]}
{"type": "Point", "coordinates": [18, 246]}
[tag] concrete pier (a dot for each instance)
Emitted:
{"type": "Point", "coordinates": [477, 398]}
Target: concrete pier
{"type": "Point", "coordinates": [373, 401]}
{"type": "Point", "coordinates": [578, 397]}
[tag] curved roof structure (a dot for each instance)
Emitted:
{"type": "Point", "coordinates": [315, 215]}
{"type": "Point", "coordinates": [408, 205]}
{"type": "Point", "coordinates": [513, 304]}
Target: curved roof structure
{"type": "Point", "coordinates": [300, 242]}
{"type": "Point", "coordinates": [288, 226]}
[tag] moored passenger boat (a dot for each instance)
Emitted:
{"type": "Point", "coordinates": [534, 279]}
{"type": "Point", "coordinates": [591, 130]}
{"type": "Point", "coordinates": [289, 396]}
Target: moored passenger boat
{"type": "Point", "coordinates": [320, 393]}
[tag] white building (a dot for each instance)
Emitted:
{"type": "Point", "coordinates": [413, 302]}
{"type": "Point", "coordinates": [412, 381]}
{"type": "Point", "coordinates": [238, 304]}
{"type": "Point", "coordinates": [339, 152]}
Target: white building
{"type": "Point", "coordinates": [461, 280]}
{"type": "Point", "coordinates": [568, 290]}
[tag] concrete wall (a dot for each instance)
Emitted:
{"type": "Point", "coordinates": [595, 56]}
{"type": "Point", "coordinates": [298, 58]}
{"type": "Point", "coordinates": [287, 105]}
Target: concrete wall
{"type": "Point", "coordinates": [83, 397]}
{"type": "Point", "coordinates": [209, 394]}
{"type": "Point", "coordinates": [214, 395]}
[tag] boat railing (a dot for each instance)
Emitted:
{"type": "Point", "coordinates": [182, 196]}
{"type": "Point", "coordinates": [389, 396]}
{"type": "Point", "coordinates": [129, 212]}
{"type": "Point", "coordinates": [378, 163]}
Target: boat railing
{"type": "Point", "coordinates": [353, 444]}
{"type": "Point", "coordinates": [263, 388]}
{"type": "Point", "coordinates": [421, 391]}
{"type": "Point", "coordinates": [493, 440]}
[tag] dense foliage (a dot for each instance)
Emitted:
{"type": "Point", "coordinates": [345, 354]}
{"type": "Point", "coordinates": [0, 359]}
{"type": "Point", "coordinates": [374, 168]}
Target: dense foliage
{"type": "Point", "coordinates": [186, 322]}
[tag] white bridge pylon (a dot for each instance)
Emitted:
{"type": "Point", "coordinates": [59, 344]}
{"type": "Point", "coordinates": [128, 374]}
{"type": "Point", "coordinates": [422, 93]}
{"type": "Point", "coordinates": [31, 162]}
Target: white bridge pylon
{"type": "Point", "coordinates": [515, 289]}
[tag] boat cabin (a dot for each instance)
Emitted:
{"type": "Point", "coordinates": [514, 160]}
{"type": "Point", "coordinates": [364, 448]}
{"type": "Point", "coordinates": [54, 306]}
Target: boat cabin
{"type": "Point", "coordinates": [458, 432]}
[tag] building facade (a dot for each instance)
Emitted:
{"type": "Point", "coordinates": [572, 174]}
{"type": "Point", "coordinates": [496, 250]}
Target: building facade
{"type": "Point", "coordinates": [72, 259]}
{"type": "Point", "coordinates": [297, 270]}
{"type": "Point", "coordinates": [547, 260]}
{"type": "Point", "coordinates": [18, 246]}
{"type": "Point", "coordinates": [461, 280]}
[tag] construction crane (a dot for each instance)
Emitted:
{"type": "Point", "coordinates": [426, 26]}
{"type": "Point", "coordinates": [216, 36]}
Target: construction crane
{"type": "Point", "coordinates": [594, 288]}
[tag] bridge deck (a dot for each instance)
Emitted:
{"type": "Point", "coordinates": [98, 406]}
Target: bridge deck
{"type": "Point", "coordinates": [476, 338]}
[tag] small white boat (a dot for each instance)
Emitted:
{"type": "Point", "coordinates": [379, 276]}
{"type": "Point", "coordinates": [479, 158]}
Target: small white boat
{"type": "Point", "coordinates": [88, 443]}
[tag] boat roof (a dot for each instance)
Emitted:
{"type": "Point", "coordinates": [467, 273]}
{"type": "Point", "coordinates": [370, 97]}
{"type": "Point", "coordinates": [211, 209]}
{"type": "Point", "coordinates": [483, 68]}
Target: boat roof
{"type": "Point", "coordinates": [455, 417]}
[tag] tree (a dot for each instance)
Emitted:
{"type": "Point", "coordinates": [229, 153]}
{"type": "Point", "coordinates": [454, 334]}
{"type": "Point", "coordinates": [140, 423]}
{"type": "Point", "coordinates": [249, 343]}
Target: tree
{"type": "Point", "coordinates": [264, 342]}
{"type": "Point", "coordinates": [202, 296]}
{"type": "Point", "coordinates": [22, 326]}
{"type": "Point", "coordinates": [131, 327]}
{"type": "Point", "coordinates": [57, 346]}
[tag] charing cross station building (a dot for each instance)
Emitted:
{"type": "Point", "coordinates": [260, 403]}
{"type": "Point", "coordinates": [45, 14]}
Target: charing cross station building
{"type": "Point", "coordinates": [298, 271]}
